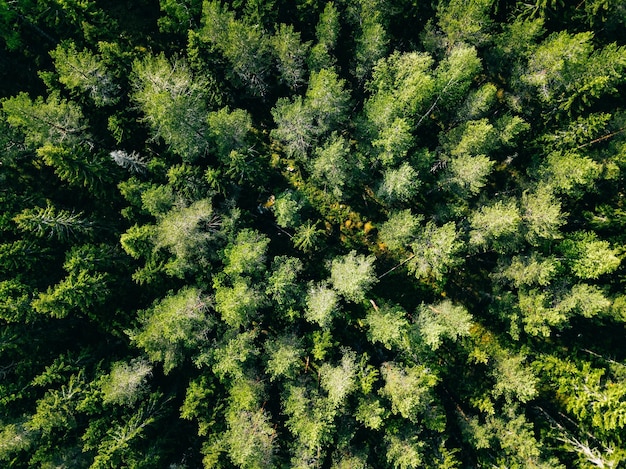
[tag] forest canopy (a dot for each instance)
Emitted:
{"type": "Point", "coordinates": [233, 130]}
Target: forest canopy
{"type": "Point", "coordinates": [308, 234]}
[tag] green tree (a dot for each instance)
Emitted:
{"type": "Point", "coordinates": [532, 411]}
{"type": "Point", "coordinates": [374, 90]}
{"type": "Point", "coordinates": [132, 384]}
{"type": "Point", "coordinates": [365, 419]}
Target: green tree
{"type": "Point", "coordinates": [409, 389]}
{"type": "Point", "coordinates": [332, 166]}
{"type": "Point", "coordinates": [569, 74]}
{"type": "Point", "coordinates": [250, 439]}
{"type": "Point", "coordinates": [435, 251]}
{"type": "Point", "coordinates": [179, 15]}
{"type": "Point", "coordinates": [328, 99]}
{"type": "Point", "coordinates": [465, 23]}
{"type": "Point", "coordinates": [15, 300]}
{"type": "Point", "coordinates": [186, 232]}
{"type": "Point", "coordinates": [283, 283]}
{"type": "Point", "coordinates": [400, 229]}
{"type": "Point", "coordinates": [287, 208]}
{"type": "Point", "coordinates": [399, 185]}
{"type": "Point", "coordinates": [388, 325]}
{"type": "Point", "coordinates": [393, 142]}
{"type": "Point", "coordinates": [542, 215]}
{"type": "Point", "coordinates": [246, 255]}
{"type": "Point", "coordinates": [589, 257]}
{"type": "Point", "coordinates": [51, 222]}
{"type": "Point", "coordinates": [55, 121]}
{"type": "Point", "coordinates": [310, 418]}
{"type": "Point", "coordinates": [126, 383]}
{"type": "Point", "coordinates": [78, 294]}
{"type": "Point", "coordinates": [284, 357]}
{"type": "Point", "coordinates": [327, 34]}
{"type": "Point", "coordinates": [245, 46]}
{"type": "Point", "coordinates": [339, 381]}
{"type": "Point", "coordinates": [321, 305]}
{"type": "Point", "coordinates": [238, 305]}
{"type": "Point", "coordinates": [173, 103]}
{"type": "Point", "coordinates": [174, 327]}
{"type": "Point", "coordinates": [353, 275]}
{"type": "Point", "coordinates": [290, 55]}
{"type": "Point", "coordinates": [229, 131]}
{"type": "Point", "coordinates": [496, 226]}
{"type": "Point", "coordinates": [85, 71]}
{"type": "Point", "coordinates": [441, 321]}
{"type": "Point", "coordinates": [307, 236]}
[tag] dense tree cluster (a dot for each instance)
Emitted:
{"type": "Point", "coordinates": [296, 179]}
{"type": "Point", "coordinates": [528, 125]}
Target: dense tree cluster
{"type": "Point", "coordinates": [307, 234]}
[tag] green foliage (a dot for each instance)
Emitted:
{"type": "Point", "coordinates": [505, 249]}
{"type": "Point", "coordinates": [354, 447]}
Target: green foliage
{"type": "Point", "coordinates": [371, 414]}
{"type": "Point", "coordinates": [496, 226]}
{"type": "Point", "coordinates": [388, 325]}
{"type": "Point", "coordinates": [401, 86]}
{"type": "Point", "coordinates": [400, 184]}
{"type": "Point", "coordinates": [307, 236]}
{"type": "Point", "coordinates": [327, 98]}
{"type": "Point", "coordinates": [138, 241]}
{"type": "Point", "coordinates": [14, 438]}
{"type": "Point", "coordinates": [77, 166]}
{"type": "Point", "coordinates": [173, 103]}
{"type": "Point", "coordinates": [284, 355]}
{"type": "Point", "coordinates": [399, 230]}
{"type": "Point", "coordinates": [326, 33]}
{"type": "Point", "coordinates": [409, 389]}
{"type": "Point", "coordinates": [270, 157]}
{"type": "Point", "coordinates": [229, 130]}
{"type": "Point", "coordinates": [309, 419]}
{"type": "Point", "coordinates": [230, 359]}
{"type": "Point", "coordinates": [116, 447]}
{"type": "Point", "coordinates": [290, 54]}
{"type": "Point", "coordinates": [371, 43]}
{"type": "Point", "coordinates": [185, 233]}
{"type": "Point", "coordinates": [468, 173]}
{"type": "Point", "coordinates": [178, 15]}
{"type": "Point", "coordinates": [250, 439]}
{"type": "Point", "coordinates": [15, 298]}
{"type": "Point", "coordinates": [238, 305]}
{"type": "Point", "coordinates": [84, 71]}
{"type": "Point", "coordinates": [567, 72]}
{"type": "Point", "coordinates": [286, 208]}
{"type": "Point", "coordinates": [332, 167]}
{"type": "Point", "coordinates": [173, 326]}
{"type": "Point", "coordinates": [530, 270]}
{"type": "Point", "coordinates": [125, 384]}
{"type": "Point", "coordinates": [353, 275]}
{"type": "Point", "coordinates": [295, 126]}
{"type": "Point", "coordinates": [465, 22]}
{"type": "Point", "coordinates": [454, 75]}
{"type": "Point", "coordinates": [282, 284]}
{"type": "Point", "coordinates": [404, 452]}
{"type": "Point", "coordinates": [589, 257]}
{"type": "Point", "coordinates": [246, 256]}
{"type": "Point", "coordinates": [544, 309]}
{"type": "Point", "coordinates": [542, 215]}
{"type": "Point", "coordinates": [513, 435]}
{"type": "Point", "coordinates": [443, 320]}
{"type": "Point", "coordinates": [479, 102]}
{"type": "Point", "coordinates": [394, 141]}
{"type": "Point", "coordinates": [435, 251]}
{"type": "Point", "coordinates": [245, 46]}
{"type": "Point", "coordinates": [55, 121]}
{"type": "Point", "coordinates": [79, 293]}
{"type": "Point", "coordinates": [514, 381]}
{"type": "Point", "coordinates": [569, 172]}
{"type": "Point", "coordinates": [158, 200]}
{"type": "Point", "coordinates": [339, 381]}
{"type": "Point", "coordinates": [321, 305]}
